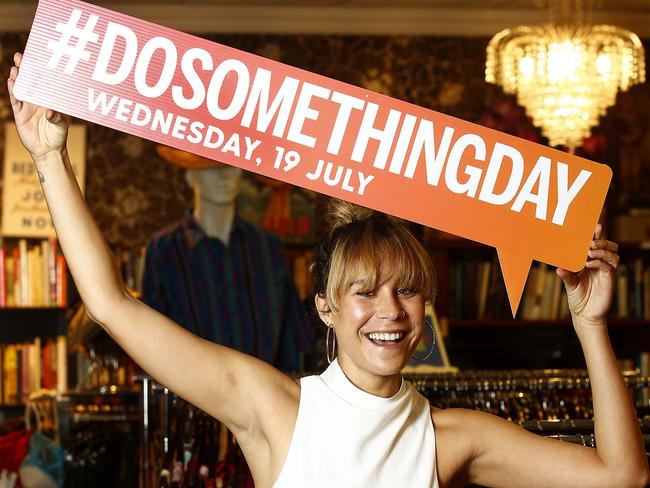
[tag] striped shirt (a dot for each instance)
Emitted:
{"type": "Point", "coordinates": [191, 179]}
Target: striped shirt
{"type": "Point", "coordinates": [240, 295]}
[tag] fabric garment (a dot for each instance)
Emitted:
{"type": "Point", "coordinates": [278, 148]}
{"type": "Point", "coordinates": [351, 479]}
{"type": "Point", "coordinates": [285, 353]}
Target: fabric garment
{"type": "Point", "coordinates": [13, 448]}
{"type": "Point", "coordinates": [345, 437]}
{"type": "Point", "coordinates": [43, 466]}
{"type": "Point", "coordinates": [241, 295]}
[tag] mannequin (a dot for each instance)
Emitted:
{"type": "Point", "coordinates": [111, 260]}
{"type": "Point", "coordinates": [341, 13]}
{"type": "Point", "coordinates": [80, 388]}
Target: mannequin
{"type": "Point", "coordinates": [215, 191]}
{"type": "Point", "coordinates": [222, 277]}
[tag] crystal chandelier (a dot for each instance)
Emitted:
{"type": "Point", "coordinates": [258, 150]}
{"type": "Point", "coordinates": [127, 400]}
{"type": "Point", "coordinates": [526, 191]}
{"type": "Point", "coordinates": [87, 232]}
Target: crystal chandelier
{"type": "Point", "coordinates": [567, 72]}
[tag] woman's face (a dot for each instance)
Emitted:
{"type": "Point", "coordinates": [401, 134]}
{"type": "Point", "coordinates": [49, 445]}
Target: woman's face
{"type": "Point", "coordinates": [377, 329]}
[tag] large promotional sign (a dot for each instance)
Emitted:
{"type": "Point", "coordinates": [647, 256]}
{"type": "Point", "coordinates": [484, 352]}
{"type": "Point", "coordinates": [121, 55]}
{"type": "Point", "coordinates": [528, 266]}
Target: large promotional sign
{"type": "Point", "coordinates": [527, 200]}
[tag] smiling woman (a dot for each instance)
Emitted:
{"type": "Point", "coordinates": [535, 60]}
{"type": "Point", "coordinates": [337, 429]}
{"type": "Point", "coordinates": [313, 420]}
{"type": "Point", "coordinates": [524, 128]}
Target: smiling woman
{"type": "Point", "coordinates": [375, 311]}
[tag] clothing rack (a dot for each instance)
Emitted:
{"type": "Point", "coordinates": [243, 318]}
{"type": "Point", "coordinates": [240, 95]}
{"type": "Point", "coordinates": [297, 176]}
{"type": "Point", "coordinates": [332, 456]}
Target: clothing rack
{"type": "Point", "coordinates": [539, 393]}
{"type": "Point", "coordinates": [95, 429]}
{"type": "Point", "coordinates": [184, 447]}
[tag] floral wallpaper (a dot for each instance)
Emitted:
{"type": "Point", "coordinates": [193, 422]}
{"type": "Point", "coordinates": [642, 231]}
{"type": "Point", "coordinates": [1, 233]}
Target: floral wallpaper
{"type": "Point", "coordinates": [132, 192]}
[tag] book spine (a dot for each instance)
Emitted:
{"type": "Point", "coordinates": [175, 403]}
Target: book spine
{"type": "Point", "coordinates": [61, 365]}
{"type": "Point", "coordinates": [638, 288]}
{"type": "Point", "coordinates": [37, 367]}
{"type": "Point", "coordinates": [2, 373]}
{"type": "Point", "coordinates": [646, 293]}
{"type": "Point", "coordinates": [11, 378]}
{"type": "Point", "coordinates": [3, 277]}
{"type": "Point", "coordinates": [24, 272]}
{"type": "Point", "coordinates": [51, 266]}
{"type": "Point", "coordinates": [61, 280]}
{"type": "Point", "coordinates": [45, 281]}
{"type": "Point", "coordinates": [621, 291]}
{"type": "Point", "coordinates": [17, 292]}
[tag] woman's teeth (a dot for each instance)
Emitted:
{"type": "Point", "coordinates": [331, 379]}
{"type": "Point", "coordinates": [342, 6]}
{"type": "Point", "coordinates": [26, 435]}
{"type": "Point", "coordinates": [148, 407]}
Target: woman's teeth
{"type": "Point", "coordinates": [382, 336]}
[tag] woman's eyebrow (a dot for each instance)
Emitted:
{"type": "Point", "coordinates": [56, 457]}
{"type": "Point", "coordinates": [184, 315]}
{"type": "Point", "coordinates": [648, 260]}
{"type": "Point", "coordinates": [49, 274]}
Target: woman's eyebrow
{"type": "Point", "coordinates": [360, 281]}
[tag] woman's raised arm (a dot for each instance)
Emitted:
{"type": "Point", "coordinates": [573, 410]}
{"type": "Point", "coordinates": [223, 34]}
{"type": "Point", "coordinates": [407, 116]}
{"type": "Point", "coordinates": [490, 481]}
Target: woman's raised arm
{"type": "Point", "coordinates": [227, 384]}
{"type": "Point", "coordinates": [506, 455]}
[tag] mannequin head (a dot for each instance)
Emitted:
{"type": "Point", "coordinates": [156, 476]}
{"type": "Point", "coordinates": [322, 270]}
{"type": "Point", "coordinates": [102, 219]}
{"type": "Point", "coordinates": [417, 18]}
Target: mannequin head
{"type": "Point", "coordinates": [218, 186]}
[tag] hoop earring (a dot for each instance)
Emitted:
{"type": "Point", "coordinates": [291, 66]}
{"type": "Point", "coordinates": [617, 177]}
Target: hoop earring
{"type": "Point", "coordinates": [433, 344]}
{"type": "Point", "coordinates": [330, 355]}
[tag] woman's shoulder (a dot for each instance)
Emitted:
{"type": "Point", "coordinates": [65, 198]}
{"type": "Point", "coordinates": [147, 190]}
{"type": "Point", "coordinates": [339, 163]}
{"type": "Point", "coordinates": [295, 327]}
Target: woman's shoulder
{"type": "Point", "coordinates": [455, 446]}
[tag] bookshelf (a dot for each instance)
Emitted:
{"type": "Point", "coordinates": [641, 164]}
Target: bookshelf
{"type": "Point", "coordinates": [483, 334]}
{"type": "Point", "coordinates": [33, 320]}
{"type": "Point", "coordinates": [33, 273]}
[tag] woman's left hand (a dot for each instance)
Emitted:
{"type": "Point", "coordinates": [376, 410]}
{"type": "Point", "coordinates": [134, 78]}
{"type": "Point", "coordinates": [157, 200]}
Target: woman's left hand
{"type": "Point", "coordinates": [590, 291]}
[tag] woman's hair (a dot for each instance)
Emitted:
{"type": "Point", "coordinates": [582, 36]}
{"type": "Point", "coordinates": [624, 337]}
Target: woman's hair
{"type": "Point", "coordinates": [362, 243]}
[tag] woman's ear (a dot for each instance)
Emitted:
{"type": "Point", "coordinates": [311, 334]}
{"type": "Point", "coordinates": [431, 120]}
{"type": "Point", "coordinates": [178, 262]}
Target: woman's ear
{"type": "Point", "coordinates": [322, 308]}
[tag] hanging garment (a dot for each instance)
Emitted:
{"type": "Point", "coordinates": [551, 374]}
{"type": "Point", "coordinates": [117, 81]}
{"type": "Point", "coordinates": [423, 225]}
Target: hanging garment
{"type": "Point", "coordinates": [241, 295]}
{"type": "Point", "coordinates": [13, 447]}
{"type": "Point", "coordinates": [43, 466]}
{"type": "Point", "coordinates": [348, 438]}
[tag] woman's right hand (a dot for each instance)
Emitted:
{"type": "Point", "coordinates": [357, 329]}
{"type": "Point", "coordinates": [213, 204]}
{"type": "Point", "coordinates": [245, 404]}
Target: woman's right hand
{"type": "Point", "coordinates": [41, 130]}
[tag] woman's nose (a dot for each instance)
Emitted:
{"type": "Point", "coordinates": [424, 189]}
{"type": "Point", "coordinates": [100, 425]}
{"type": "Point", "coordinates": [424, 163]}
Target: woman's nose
{"type": "Point", "coordinates": [388, 307]}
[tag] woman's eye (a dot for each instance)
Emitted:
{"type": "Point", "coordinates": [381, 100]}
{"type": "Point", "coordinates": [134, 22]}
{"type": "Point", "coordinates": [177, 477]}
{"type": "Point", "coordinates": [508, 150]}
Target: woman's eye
{"type": "Point", "coordinates": [364, 293]}
{"type": "Point", "coordinates": [406, 291]}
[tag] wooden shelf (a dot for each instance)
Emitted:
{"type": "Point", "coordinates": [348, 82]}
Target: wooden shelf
{"type": "Point", "coordinates": [487, 323]}
{"type": "Point", "coordinates": [18, 324]}
{"type": "Point", "coordinates": [31, 309]}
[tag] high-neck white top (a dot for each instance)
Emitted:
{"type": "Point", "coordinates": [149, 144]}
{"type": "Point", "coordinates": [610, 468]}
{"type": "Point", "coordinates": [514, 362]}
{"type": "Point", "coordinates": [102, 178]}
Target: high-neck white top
{"type": "Point", "coordinates": [347, 438]}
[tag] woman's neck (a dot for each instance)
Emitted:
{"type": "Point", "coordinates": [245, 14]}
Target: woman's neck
{"type": "Point", "coordinates": [378, 385]}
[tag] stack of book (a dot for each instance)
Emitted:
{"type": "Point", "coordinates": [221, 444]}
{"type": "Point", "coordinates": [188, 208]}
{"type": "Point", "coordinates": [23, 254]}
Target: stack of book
{"type": "Point", "coordinates": [30, 366]}
{"type": "Point", "coordinates": [478, 292]}
{"type": "Point", "coordinates": [632, 298]}
{"type": "Point", "coordinates": [32, 274]}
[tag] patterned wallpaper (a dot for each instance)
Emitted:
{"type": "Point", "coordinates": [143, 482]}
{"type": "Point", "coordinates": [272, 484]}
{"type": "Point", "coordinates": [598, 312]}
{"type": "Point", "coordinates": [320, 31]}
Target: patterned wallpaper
{"type": "Point", "coordinates": [132, 192]}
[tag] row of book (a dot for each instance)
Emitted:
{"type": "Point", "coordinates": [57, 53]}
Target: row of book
{"type": "Point", "coordinates": [32, 274]}
{"type": "Point", "coordinates": [477, 292]}
{"type": "Point", "coordinates": [632, 298]}
{"type": "Point", "coordinates": [30, 366]}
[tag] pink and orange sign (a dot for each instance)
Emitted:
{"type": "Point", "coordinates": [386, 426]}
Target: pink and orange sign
{"type": "Point", "coordinates": [527, 200]}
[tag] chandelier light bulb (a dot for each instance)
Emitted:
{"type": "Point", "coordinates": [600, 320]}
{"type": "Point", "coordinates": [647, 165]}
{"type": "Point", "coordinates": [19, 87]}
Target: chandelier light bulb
{"type": "Point", "coordinates": [565, 76]}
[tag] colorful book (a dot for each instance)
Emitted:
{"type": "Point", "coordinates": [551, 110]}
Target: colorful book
{"type": "Point", "coordinates": [61, 281]}
{"type": "Point", "coordinates": [24, 272]}
{"type": "Point", "coordinates": [51, 267]}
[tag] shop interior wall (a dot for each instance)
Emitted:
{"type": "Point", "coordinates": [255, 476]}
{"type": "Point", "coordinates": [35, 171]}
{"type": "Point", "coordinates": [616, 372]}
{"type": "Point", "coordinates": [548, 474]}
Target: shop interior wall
{"type": "Point", "coordinates": [132, 193]}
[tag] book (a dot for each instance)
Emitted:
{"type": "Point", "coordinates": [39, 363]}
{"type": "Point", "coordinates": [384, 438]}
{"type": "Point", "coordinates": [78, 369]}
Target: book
{"type": "Point", "coordinates": [557, 286]}
{"type": "Point", "coordinates": [621, 291]}
{"type": "Point", "coordinates": [61, 365]}
{"type": "Point", "coordinates": [24, 272]}
{"type": "Point", "coordinates": [44, 277]}
{"type": "Point", "coordinates": [482, 288]}
{"type": "Point", "coordinates": [646, 293]}
{"type": "Point", "coordinates": [51, 266]}
{"type": "Point", "coordinates": [61, 281]}
{"type": "Point", "coordinates": [3, 277]}
{"type": "Point", "coordinates": [10, 368]}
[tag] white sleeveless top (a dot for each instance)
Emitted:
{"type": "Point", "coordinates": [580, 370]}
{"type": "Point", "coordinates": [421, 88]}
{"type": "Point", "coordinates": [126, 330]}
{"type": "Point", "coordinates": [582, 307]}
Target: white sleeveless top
{"type": "Point", "coordinates": [347, 438]}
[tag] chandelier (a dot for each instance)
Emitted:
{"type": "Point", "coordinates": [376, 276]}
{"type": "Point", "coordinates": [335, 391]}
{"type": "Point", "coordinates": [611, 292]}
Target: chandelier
{"type": "Point", "coordinates": [567, 72]}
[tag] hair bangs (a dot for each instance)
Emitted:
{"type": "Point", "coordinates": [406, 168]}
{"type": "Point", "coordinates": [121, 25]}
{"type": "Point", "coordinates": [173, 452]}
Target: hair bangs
{"type": "Point", "coordinates": [376, 253]}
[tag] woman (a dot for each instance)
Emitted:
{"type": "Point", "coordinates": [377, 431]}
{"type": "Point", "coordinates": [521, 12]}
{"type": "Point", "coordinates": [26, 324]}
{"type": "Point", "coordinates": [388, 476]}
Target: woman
{"type": "Point", "coordinates": [358, 424]}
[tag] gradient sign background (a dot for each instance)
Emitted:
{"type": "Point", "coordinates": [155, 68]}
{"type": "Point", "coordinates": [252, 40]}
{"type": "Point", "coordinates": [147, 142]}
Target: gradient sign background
{"type": "Point", "coordinates": [527, 200]}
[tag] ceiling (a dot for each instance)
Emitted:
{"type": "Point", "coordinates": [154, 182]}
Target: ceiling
{"type": "Point", "coordinates": [416, 17]}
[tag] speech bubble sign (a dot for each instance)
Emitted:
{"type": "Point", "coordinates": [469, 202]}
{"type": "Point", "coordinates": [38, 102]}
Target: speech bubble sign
{"type": "Point", "coordinates": [527, 200]}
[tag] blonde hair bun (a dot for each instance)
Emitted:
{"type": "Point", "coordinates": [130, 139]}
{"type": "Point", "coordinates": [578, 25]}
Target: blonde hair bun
{"type": "Point", "coordinates": [340, 213]}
